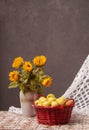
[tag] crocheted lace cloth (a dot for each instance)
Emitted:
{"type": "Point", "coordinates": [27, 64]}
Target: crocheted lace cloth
{"type": "Point", "coordinates": [79, 90]}
{"type": "Point", "coordinates": [13, 121]}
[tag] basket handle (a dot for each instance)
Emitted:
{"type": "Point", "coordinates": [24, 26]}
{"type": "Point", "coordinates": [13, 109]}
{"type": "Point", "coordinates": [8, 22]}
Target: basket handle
{"type": "Point", "coordinates": [38, 96]}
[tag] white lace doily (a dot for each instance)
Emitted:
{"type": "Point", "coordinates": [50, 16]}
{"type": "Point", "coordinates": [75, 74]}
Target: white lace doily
{"type": "Point", "coordinates": [15, 110]}
{"type": "Point", "coordinates": [79, 90]}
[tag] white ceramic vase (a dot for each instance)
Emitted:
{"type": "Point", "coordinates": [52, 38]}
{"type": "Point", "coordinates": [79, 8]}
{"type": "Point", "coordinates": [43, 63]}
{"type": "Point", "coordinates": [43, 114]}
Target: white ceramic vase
{"type": "Point", "coordinates": [26, 101]}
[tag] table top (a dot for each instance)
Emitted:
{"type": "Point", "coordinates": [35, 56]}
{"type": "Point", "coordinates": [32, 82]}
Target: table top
{"type": "Point", "coordinates": [13, 121]}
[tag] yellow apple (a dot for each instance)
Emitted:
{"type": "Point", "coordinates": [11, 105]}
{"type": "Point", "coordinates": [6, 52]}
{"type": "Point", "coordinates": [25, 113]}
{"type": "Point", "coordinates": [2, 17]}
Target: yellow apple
{"type": "Point", "coordinates": [50, 95]}
{"type": "Point", "coordinates": [36, 102]}
{"type": "Point", "coordinates": [54, 103]}
{"type": "Point", "coordinates": [51, 99]}
{"type": "Point", "coordinates": [46, 103]}
{"type": "Point", "coordinates": [61, 100]}
{"type": "Point", "coordinates": [40, 104]}
{"type": "Point", "coordinates": [42, 99]}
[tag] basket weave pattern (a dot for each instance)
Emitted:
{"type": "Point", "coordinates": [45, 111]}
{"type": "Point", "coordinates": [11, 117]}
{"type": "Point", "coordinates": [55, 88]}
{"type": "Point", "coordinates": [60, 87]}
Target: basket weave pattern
{"type": "Point", "coordinates": [53, 115]}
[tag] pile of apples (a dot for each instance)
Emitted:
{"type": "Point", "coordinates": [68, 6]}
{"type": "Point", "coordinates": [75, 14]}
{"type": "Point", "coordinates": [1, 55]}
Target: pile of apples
{"type": "Point", "coordinates": [51, 100]}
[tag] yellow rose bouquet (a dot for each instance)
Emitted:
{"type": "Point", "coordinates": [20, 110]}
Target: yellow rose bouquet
{"type": "Point", "coordinates": [29, 76]}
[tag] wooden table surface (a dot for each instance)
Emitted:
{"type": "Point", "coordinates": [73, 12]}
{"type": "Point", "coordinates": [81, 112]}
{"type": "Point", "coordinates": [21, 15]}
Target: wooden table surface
{"type": "Point", "coordinates": [13, 121]}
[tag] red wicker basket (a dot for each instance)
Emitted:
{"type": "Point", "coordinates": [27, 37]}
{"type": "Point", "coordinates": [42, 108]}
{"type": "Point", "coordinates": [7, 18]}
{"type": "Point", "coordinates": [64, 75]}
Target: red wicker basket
{"type": "Point", "coordinates": [53, 115]}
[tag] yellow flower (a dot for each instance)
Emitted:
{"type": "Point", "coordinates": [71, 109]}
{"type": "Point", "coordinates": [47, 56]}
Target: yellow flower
{"type": "Point", "coordinates": [29, 75]}
{"type": "Point", "coordinates": [47, 81]}
{"type": "Point", "coordinates": [27, 66]}
{"type": "Point", "coordinates": [14, 76]}
{"type": "Point", "coordinates": [17, 62]}
{"type": "Point", "coordinates": [39, 60]}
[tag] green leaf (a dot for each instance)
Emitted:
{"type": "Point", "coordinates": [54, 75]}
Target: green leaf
{"type": "Point", "coordinates": [39, 90]}
{"type": "Point", "coordinates": [13, 85]}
